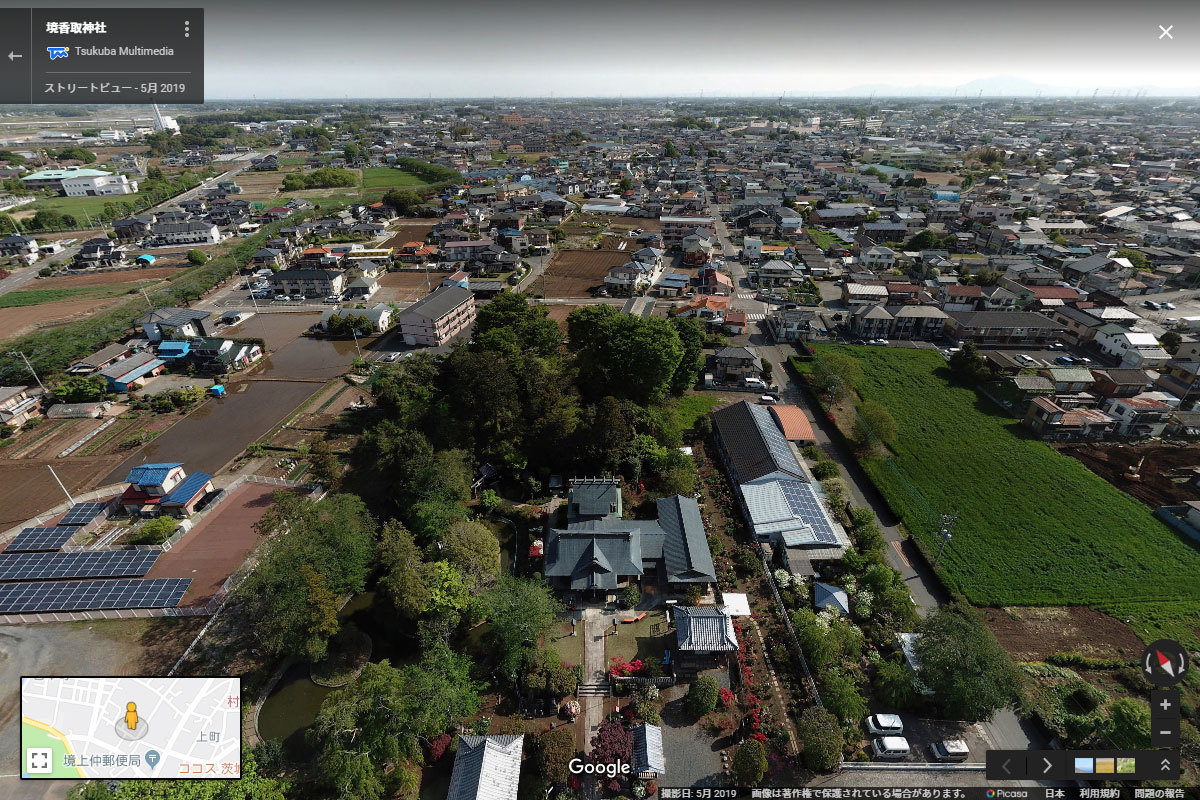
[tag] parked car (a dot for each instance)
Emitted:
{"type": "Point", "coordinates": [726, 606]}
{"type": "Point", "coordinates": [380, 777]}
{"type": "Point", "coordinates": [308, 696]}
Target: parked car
{"type": "Point", "coordinates": [950, 750]}
{"type": "Point", "coordinates": [891, 747]}
{"type": "Point", "coordinates": [1169, 306]}
{"type": "Point", "coordinates": [885, 725]}
{"type": "Point", "coordinates": [1150, 304]}
{"type": "Point", "coordinates": [283, 298]}
{"type": "Point", "coordinates": [767, 400]}
{"type": "Point", "coordinates": [333, 298]}
{"type": "Point", "coordinates": [390, 357]}
{"type": "Point", "coordinates": [1171, 321]}
{"type": "Point", "coordinates": [1065, 361]}
{"type": "Point", "coordinates": [755, 383]}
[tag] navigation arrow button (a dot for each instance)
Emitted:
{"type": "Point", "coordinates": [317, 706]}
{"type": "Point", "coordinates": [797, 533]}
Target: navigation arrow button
{"type": "Point", "coordinates": [14, 56]}
{"type": "Point", "coordinates": [1049, 765]}
{"type": "Point", "coordinates": [1007, 766]}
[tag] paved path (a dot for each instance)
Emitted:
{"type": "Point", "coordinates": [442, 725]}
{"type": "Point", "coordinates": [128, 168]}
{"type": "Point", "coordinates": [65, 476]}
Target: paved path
{"type": "Point", "coordinates": [594, 673]}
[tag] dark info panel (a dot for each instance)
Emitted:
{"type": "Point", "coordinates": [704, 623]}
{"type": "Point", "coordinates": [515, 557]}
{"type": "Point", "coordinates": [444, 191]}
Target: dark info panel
{"type": "Point", "coordinates": [83, 56]}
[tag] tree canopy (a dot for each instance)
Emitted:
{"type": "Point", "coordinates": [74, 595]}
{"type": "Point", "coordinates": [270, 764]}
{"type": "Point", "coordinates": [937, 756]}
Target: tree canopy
{"type": "Point", "coordinates": [970, 674]}
{"type": "Point", "coordinates": [518, 612]}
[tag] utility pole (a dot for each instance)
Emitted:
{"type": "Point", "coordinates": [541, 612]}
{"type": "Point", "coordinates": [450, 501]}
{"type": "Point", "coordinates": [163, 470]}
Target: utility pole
{"type": "Point", "coordinates": [31, 370]}
{"type": "Point", "coordinates": [948, 521]}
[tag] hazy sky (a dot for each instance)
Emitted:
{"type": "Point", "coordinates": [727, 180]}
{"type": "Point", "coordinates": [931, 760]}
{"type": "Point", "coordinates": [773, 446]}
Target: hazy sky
{"type": "Point", "coordinates": [481, 48]}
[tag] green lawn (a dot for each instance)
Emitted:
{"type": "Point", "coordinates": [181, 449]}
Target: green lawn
{"type": "Point", "coordinates": [35, 297]}
{"type": "Point", "coordinates": [692, 407]}
{"type": "Point", "coordinates": [1034, 527]}
{"type": "Point", "coordinates": [390, 178]}
{"type": "Point", "coordinates": [638, 639]}
{"type": "Point", "coordinates": [76, 206]}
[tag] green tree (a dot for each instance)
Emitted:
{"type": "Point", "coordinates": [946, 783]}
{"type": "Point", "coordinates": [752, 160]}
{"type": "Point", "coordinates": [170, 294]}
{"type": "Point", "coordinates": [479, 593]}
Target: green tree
{"type": "Point", "coordinates": [670, 150]}
{"type": "Point", "coordinates": [691, 336]}
{"type": "Point", "coordinates": [197, 257]}
{"type": "Point", "coordinates": [634, 356]}
{"type": "Point", "coordinates": [80, 389]}
{"type": "Point", "coordinates": [749, 763]}
{"type": "Point", "coordinates": [156, 531]}
{"type": "Point", "coordinates": [1170, 341]}
{"type": "Point", "coordinates": [842, 697]}
{"type": "Point", "coordinates": [405, 201]}
{"type": "Point", "coordinates": [403, 579]}
{"type": "Point", "coordinates": [321, 607]}
{"type": "Point", "coordinates": [873, 425]}
{"type": "Point", "coordinates": [702, 696]}
{"type": "Point", "coordinates": [968, 365]}
{"type": "Point", "coordinates": [475, 551]}
{"type": "Point", "coordinates": [326, 468]}
{"type": "Point", "coordinates": [893, 685]}
{"type": "Point", "coordinates": [382, 718]}
{"type": "Point", "coordinates": [970, 674]}
{"type": "Point", "coordinates": [821, 738]}
{"type": "Point", "coordinates": [1128, 724]}
{"type": "Point", "coordinates": [837, 375]}
{"type": "Point", "coordinates": [553, 752]}
{"type": "Point", "coordinates": [1136, 257]}
{"type": "Point", "coordinates": [255, 783]}
{"type": "Point", "coordinates": [518, 612]}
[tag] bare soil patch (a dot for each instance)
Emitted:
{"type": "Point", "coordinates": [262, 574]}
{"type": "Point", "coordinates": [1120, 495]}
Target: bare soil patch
{"type": "Point", "coordinates": [573, 273]}
{"type": "Point", "coordinates": [18, 321]}
{"type": "Point", "coordinates": [27, 488]}
{"type": "Point", "coordinates": [1032, 633]}
{"type": "Point", "coordinates": [559, 314]}
{"type": "Point", "coordinates": [1164, 472]}
{"type": "Point", "coordinates": [132, 277]}
{"type": "Point", "coordinates": [410, 230]}
{"type": "Point", "coordinates": [406, 285]}
{"type": "Point", "coordinates": [210, 552]}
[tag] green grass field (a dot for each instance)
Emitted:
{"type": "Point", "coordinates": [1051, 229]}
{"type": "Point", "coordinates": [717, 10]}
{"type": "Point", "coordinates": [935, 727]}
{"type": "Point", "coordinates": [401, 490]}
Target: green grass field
{"type": "Point", "coordinates": [389, 178]}
{"type": "Point", "coordinates": [76, 206]}
{"type": "Point", "coordinates": [35, 297]}
{"type": "Point", "coordinates": [1034, 527]}
{"type": "Point", "coordinates": [822, 239]}
{"type": "Point", "coordinates": [693, 406]}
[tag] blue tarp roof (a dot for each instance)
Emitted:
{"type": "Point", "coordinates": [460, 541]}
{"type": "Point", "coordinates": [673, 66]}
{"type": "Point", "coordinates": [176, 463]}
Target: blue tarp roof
{"type": "Point", "coordinates": [152, 474]}
{"type": "Point", "coordinates": [145, 257]}
{"type": "Point", "coordinates": [186, 490]}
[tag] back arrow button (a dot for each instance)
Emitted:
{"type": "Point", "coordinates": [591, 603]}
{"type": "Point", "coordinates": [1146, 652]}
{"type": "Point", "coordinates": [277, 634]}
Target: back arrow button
{"type": "Point", "coordinates": [14, 56]}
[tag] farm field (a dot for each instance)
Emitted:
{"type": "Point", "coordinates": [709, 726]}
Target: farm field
{"type": "Point", "coordinates": [389, 178]}
{"type": "Point", "coordinates": [1034, 527]}
{"type": "Point", "coordinates": [75, 206]}
{"type": "Point", "coordinates": [405, 286]}
{"type": "Point", "coordinates": [35, 297]}
{"type": "Point", "coordinates": [410, 230]}
{"type": "Point", "coordinates": [573, 273]}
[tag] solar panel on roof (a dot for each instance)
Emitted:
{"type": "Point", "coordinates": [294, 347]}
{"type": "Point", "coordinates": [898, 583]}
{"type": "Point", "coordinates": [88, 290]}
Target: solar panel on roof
{"type": "Point", "coordinates": [83, 513]}
{"type": "Point", "coordinates": [806, 504]}
{"type": "Point", "coordinates": [34, 539]}
{"type": "Point", "coordinates": [84, 564]}
{"type": "Point", "coordinates": [777, 445]}
{"type": "Point", "coordinates": [40, 597]}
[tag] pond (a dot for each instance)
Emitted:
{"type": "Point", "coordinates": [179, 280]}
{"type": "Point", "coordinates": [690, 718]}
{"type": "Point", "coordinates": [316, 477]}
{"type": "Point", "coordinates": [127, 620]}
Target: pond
{"type": "Point", "coordinates": [294, 702]}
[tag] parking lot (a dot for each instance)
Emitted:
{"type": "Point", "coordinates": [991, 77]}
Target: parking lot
{"type": "Point", "coordinates": [922, 734]}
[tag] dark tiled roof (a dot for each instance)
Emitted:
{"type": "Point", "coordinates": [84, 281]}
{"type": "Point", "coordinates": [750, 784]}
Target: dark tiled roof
{"type": "Point", "coordinates": [648, 750]}
{"type": "Point", "coordinates": [685, 545]}
{"type": "Point", "coordinates": [748, 435]}
{"type": "Point", "coordinates": [1004, 319]}
{"type": "Point", "coordinates": [486, 768]}
{"type": "Point", "coordinates": [704, 629]}
{"type": "Point", "coordinates": [438, 304]}
{"type": "Point", "coordinates": [593, 559]}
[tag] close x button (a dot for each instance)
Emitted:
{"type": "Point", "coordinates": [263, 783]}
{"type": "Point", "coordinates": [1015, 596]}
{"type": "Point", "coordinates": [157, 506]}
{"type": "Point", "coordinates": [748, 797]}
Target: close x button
{"type": "Point", "coordinates": [1006, 765]}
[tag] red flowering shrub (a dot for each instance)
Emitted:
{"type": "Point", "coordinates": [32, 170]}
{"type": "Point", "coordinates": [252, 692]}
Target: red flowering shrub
{"type": "Point", "coordinates": [437, 747]}
{"type": "Point", "coordinates": [725, 697]}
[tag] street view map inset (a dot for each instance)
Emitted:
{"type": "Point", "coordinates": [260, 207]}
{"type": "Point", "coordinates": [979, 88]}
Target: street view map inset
{"type": "Point", "coordinates": [131, 727]}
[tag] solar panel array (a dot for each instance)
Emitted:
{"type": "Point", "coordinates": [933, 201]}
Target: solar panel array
{"type": "Point", "coordinates": [83, 513]}
{"type": "Point", "coordinates": [805, 503]}
{"type": "Point", "coordinates": [38, 597]}
{"type": "Point", "coordinates": [35, 539]}
{"type": "Point", "coordinates": [82, 564]}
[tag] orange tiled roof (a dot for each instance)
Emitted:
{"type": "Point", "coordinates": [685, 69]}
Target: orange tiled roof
{"type": "Point", "coordinates": [793, 422]}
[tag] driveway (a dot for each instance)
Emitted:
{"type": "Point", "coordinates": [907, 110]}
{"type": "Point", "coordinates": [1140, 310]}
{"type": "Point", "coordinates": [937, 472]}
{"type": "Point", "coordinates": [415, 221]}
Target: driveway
{"type": "Point", "coordinates": [693, 758]}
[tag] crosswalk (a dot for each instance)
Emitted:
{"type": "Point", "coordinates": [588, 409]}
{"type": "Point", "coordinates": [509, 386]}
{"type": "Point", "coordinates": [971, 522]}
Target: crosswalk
{"type": "Point", "coordinates": [755, 317]}
{"type": "Point", "coordinates": [746, 295]}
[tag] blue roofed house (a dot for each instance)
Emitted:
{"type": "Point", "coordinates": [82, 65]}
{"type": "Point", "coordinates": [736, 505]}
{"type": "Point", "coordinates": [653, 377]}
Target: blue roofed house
{"type": "Point", "coordinates": [831, 597]}
{"type": "Point", "coordinates": [130, 373]}
{"type": "Point", "coordinates": [174, 351]}
{"type": "Point", "coordinates": [164, 488]}
{"type": "Point", "coordinates": [486, 768]}
{"type": "Point", "coordinates": [599, 553]}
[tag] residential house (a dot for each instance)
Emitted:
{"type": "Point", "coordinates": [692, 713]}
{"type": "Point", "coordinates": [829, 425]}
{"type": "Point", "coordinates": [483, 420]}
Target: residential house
{"type": "Point", "coordinates": [916, 322]}
{"type": "Point", "coordinates": [311, 283]}
{"type": "Point", "coordinates": [698, 247]}
{"type": "Point", "coordinates": [879, 258]}
{"type": "Point", "coordinates": [1120, 382]}
{"type": "Point", "coordinates": [1136, 349]}
{"type": "Point", "coordinates": [704, 637]}
{"type": "Point", "coordinates": [176, 323]}
{"type": "Point", "coordinates": [992, 328]}
{"type": "Point", "coordinates": [436, 319]}
{"type": "Point", "coordinates": [775, 491]}
{"type": "Point", "coordinates": [632, 275]}
{"type": "Point", "coordinates": [486, 768]}
{"type": "Point", "coordinates": [190, 232]}
{"type": "Point", "coordinates": [1181, 378]}
{"type": "Point", "coordinates": [269, 257]}
{"type": "Point", "coordinates": [466, 250]}
{"type": "Point", "coordinates": [23, 248]}
{"type": "Point", "coordinates": [857, 294]}
{"type": "Point", "coordinates": [1139, 417]}
{"type": "Point", "coordinates": [130, 373]}
{"type": "Point", "coordinates": [1052, 422]}
{"type": "Point", "coordinates": [776, 272]}
{"type": "Point", "coordinates": [960, 297]}
{"type": "Point", "coordinates": [735, 364]}
{"type": "Point", "coordinates": [100, 252]}
{"type": "Point", "coordinates": [19, 404]}
{"type": "Point", "coordinates": [379, 315]}
{"type": "Point", "coordinates": [790, 325]}
{"type": "Point", "coordinates": [133, 228]}
{"type": "Point", "coordinates": [163, 488]}
{"type": "Point", "coordinates": [675, 228]}
{"type": "Point", "coordinates": [871, 321]}
{"type": "Point", "coordinates": [736, 322]}
{"type": "Point", "coordinates": [104, 357]}
{"type": "Point", "coordinates": [711, 280]}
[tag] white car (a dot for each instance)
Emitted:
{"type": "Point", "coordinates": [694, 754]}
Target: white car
{"type": "Point", "coordinates": [767, 400]}
{"type": "Point", "coordinates": [884, 725]}
{"type": "Point", "coordinates": [891, 747]}
{"type": "Point", "coordinates": [1169, 306]}
{"type": "Point", "coordinates": [390, 357]}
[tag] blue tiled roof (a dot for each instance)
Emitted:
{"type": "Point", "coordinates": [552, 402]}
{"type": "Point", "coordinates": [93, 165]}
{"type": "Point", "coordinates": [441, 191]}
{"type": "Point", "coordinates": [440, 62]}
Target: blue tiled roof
{"type": "Point", "coordinates": [186, 490]}
{"type": "Point", "coordinates": [152, 474]}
